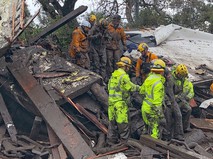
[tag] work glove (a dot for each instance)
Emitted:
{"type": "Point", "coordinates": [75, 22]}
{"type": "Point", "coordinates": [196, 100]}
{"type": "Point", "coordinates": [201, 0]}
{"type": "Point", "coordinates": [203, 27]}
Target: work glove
{"type": "Point", "coordinates": [78, 55]}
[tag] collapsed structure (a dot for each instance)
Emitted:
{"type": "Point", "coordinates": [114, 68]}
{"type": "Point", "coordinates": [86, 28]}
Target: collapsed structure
{"type": "Point", "coordinates": [52, 108]}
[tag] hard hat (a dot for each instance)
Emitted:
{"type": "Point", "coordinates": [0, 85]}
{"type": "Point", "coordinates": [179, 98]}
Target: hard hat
{"type": "Point", "coordinates": [103, 22]}
{"type": "Point", "coordinates": [86, 24]}
{"type": "Point", "coordinates": [181, 70]}
{"type": "Point", "coordinates": [92, 18]}
{"type": "Point", "coordinates": [158, 65]}
{"type": "Point", "coordinates": [124, 61]}
{"type": "Point", "coordinates": [211, 87]}
{"type": "Point", "coordinates": [142, 47]}
{"type": "Point", "coordinates": [116, 17]}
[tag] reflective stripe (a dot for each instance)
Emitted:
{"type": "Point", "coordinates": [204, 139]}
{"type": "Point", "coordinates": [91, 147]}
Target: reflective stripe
{"type": "Point", "coordinates": [148, 102]}
{"type": "Point", "coordinates": [152, 91]}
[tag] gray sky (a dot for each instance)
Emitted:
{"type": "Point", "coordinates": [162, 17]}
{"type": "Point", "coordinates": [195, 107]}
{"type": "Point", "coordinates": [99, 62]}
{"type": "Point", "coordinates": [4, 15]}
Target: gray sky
{"type": "Point", "coordinates": [33, 7]}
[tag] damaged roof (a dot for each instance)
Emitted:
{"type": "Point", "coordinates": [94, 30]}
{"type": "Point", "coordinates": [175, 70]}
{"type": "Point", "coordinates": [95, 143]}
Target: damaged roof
{"type": "Point", "coordinates": [183, 45]}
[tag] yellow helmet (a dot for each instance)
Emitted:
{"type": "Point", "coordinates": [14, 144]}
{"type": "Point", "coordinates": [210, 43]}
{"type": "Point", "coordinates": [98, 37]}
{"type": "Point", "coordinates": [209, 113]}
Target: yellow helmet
{"type": "Point", "coordinates": [158, 65]}
{"type": "Point", "coordinates": [181, 70]}
{"type": "Point", "coordinates": [92, 18]}
{"type": "Point", "coordinates": [103, 22]}
{"type": "Point", "coordinates": [142, 47]}
{"type": "Point", "coordinates": [124, 61]}
{"type": "Point", "coordinates": [211, 87]}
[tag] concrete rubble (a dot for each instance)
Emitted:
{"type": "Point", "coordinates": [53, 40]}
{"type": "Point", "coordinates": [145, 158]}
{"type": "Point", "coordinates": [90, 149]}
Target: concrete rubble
{"type": "Point", "coordinates": [52, 108]}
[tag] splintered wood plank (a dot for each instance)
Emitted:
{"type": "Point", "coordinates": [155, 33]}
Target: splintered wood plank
{"type": "Point", "coordinates": [163, 147]}
{"type": "Point", "coordinates": [59, 23]}
{"type": "Point", "coordinates": [50, 112]}
{"type": "Point", "coordinates": [7, 120]}
{"type": "Point", "coordinates": [204, 124]}
{"type": "Point", "coordinates": [53, 140]}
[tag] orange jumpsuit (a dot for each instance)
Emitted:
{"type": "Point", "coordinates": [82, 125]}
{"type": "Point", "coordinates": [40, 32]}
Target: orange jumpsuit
{"type": "Point", "coordinates": [113, 50]}
{"type": "Point", "coordinates": [80, 46]}
{"type": "Point", "coordinates": [139, 70]}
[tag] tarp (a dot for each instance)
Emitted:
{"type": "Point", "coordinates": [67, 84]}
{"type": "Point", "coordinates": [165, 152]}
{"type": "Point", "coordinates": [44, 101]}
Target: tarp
{"type": "Point", "coordinates": [183, 45]}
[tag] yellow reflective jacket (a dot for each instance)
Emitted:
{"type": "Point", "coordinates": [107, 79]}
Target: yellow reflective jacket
{"type": "Point", "coordinates": [120, 86]}
{"type": "Point", "coordinates": [153, 89]}
{"type": "Point", "coordinates": [183, 88]}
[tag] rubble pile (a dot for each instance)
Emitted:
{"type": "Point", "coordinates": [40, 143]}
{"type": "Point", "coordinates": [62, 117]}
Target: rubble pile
{"type": "Point", "coordinates": [52, 108]}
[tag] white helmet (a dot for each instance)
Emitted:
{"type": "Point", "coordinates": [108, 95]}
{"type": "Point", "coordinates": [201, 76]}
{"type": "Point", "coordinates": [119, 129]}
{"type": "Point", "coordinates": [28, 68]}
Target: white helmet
{"type": "Point", "coordinates": [86, 24]}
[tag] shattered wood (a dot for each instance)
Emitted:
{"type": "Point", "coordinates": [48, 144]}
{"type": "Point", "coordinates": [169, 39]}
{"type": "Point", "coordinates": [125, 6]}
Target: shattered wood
{"type": "Point", "coordinates": [56, 119]}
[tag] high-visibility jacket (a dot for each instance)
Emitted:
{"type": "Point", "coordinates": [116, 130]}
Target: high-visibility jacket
{"type": "Point", "coordinates": [120, 86]}
{"type": "Point", "coordinates": [79, 42]}
{"type": "Point", "coordinates": [150, 57]}
{"type": "Point", "coordinates": [153, 89]}
{"type": "Point", "coordinates": [115, 36]}
{"type": "Point", "coordinates": [183, 88]}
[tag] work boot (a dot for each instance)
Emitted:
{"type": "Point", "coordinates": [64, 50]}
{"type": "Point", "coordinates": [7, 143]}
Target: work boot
{"type": "Point", "coordinates": [179, 137]}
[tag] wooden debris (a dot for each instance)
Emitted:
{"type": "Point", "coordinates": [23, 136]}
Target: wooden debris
{"type": "Point", "coordinates": [59, 23]}
{"type": "Point", "coordinates": [50, 112]}
{"type": "Point", "coordinates": [203, 124]}
{"type": "Point", "coordinates": [53, 140]}
{"type": "Point", "coordinates": [83, 111]}
{"type": "Point", "coordinates": [7, 120]}
{"type": "Point", "coordinates": [62, 152]}
{"type": "Point", "coordinates": [110, 151]}
{"type": "Point", "coordinates": [36, 128]}
{"type": "Point", "coordinates": [51, 74]}
{"type": "Point", "coordinates": [163, 147]}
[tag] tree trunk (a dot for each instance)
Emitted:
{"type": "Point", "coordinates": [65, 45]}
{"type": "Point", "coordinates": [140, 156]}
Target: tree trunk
{"type": "Point", "coordinates": [129, 5]}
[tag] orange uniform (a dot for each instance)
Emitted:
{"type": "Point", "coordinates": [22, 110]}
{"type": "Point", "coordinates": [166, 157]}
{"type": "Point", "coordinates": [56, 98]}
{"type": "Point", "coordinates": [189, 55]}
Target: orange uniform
{"type": "Point", "coordinates": [80, 46]}
{"type": "Point", "coordinates": [79, 42]}
{"type": "Point", "coordinates": [116, 34]}
{"type": "Point", "coordinates": [148, 59]}
{"type": "Point", "coordinates": [113, 49]}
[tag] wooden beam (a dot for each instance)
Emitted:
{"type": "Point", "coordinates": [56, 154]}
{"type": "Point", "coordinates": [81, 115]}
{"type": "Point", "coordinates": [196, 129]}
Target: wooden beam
{"type": "Point", "coordinates": [59, 23]}
{"type": "Point", "coordinates": [175, 151]}
{"type": "Point", "coordinates": [7, 120]}
{"type": "Point", "coordinates": [53, 140]}
{"type": "Point", "coordinates": [36, 128]}
{"type": "Point", "coordinates": [50, 112]}
{"type": "Point", "coordinates": [203, 124]}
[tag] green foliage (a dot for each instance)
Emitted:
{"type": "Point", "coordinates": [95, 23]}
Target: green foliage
{"type": "Point", "coordinates": [196, 16]}
{"type": "Point", "coordinates": [149, 17]}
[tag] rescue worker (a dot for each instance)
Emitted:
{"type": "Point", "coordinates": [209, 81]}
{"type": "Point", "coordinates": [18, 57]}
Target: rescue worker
{"type": "Point", "coordinates": [119, 88]}
{"type": "Point", "coordinates": [97, 37]}
{"type": "Point", "coordinates": [92, 20]}
{"type": "Point", "coordinates": [172, 110]}
{"type": "Point", "coordinates": [184, 92]}
{"type": "Point", "coordinates": [79, 46]}
{"type": "Point", "coordinates": [153, 89]}
{"type": "Point", "coordinates": [143, 63]}
{"type": "Point", "coordinates": [116, 35]}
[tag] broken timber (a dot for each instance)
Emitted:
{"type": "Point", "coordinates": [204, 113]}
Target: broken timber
{"type": "Point", "coordinates": [203, 124]}
{"type": "Point", "coordinates": [65, 131]}
{"type": "Point", "coordinates": [7, 120]}
{"type": "Point", "coordinates": [83, 111]}
{"type": "Point", "coordinates": [59, 23]}
{"type": "Point", "coordinates": [163, 147]}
